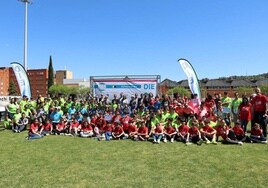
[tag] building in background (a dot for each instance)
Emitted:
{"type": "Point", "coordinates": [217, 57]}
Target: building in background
{"type": "Point", "coordinates": [63, 74]}
{"type": "Point", "coordinates": [77, 82]}
{"type": "Point", "coordinates": [4, 81]}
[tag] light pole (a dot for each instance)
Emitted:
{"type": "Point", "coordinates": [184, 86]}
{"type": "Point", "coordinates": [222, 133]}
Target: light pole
{"type": "Point", "coordinates": [26, 2]}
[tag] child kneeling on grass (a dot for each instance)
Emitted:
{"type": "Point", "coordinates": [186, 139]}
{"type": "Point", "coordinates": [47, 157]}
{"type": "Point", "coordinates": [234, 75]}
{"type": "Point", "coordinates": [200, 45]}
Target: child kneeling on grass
{"type": "Point", "coordinates": [33, 131]}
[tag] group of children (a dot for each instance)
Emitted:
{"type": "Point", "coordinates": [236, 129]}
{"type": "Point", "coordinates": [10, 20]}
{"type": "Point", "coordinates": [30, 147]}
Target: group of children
{"type": "Point", "coordinates": [156, 119]}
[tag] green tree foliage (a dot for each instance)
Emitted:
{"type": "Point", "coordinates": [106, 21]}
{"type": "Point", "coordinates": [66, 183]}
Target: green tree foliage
{"type": "Point", "coordinates": [180, 91]}
{"type": "Point", "coordinates": [264, 89]}
{"type": "Point", "coordinates": [12, 90]}
{"type": "Point", "coordinates": [60, 89]}
{"type": "Point", "coordinates": [50, 73]}
{"type": "Point", "coordinates": [245, 91]}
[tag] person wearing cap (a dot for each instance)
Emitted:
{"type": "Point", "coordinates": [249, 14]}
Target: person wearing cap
{"type": "Point", "coordinates": [207, 132]}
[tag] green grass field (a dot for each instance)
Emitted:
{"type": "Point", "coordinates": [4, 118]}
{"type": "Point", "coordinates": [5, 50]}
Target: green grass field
{"type": "Point", "coordinates": [61, 161]}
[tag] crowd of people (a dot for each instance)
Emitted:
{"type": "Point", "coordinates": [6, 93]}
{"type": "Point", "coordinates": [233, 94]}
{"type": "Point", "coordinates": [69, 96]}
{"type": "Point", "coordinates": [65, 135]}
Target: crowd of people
{"type": "Point", "coordinates": [144, 117]}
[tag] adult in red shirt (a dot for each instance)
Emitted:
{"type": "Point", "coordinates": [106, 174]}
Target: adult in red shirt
{"type": "Point", "coordinates": [244, 112]}
{"type": "Point", "coordinates": [259, 108]}
{"type": "Point", "coordinates": [142, 133]}
{"type": "Point", "coordinates": [33, 131]}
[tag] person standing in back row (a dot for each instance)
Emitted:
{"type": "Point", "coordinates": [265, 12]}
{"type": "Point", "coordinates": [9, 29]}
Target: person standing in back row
{"type": "Point", "coordinates": [259, 109]}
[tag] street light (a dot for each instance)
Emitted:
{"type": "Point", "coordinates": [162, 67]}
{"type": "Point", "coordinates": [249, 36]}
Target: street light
{"type": "Point", "coordinates": [26, 2]}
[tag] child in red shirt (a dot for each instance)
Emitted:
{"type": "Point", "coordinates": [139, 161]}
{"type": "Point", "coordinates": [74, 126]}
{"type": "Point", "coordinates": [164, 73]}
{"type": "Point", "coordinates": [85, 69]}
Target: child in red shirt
{"type": "Point", "coordinates": [183, 131]}
{"type": "Point", "coordinates": [208, 133]}
{"type": "Point", "coordinates": [257, 135]}
{"type": "Point", "coordinates": [194, 135]}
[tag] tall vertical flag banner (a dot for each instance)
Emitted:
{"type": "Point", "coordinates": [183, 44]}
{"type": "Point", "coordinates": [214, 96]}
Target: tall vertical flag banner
{"type": "Point", "coordinates": [191, 75]}
{"type": "Point", "coordinates": [22, 79]}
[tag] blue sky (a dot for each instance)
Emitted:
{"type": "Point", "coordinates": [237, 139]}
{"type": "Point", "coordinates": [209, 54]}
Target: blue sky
{"type": "Point", "coordinates": [138, 37]}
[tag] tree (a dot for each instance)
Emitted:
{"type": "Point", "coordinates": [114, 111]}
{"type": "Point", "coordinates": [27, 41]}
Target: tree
{"type": "Point", "coordinates": [264, 89]}
{"type": "Point", "coordinates": [12, 90]}
{"type": "Point", "coordinates": [50, 73]}
{"type": "Point", "coordinates": [244, 91]}
{"type": "Point", "coordinates": [59, 89]}
{"type": "Point", "coordinates": [180, 91]}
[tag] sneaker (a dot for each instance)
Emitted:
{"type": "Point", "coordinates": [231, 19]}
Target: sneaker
{"type": "Point", "coordinates": [165, 140]}
{"type": "Point", "coordinates": [208, 142]}
{"type": "Point", "coordinates": [154, 141]}
{"type": "Point", "coordinates": [27, 138]}
{"type": "Point", "coordinates": [158, 142]}
{"type": "Point", "coordinates": [172, 140]}
{"type": "Point", "coordinates": [200, 142]}
{"type": "Point", "coordinates": [264, 142]}
{"type": "Point", "coordinates": [214, 142]}
{"type": "Point", "coordinates": [240, 143]}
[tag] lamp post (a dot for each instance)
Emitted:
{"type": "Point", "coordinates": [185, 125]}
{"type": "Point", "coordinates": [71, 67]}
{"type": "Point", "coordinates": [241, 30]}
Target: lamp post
{"type": "Point", "coordinates": [26, 2]}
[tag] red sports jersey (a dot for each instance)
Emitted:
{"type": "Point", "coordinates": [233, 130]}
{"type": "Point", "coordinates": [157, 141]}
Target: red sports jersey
{"type": "Point", "coordinates": [238, 131]}
{"type": "Point", "coordinates": [158, 130]}
{"type": "Point", "coordinates": [118, 130]}
{"type": "Point", "coordinates": [61, 126]}
{"type": "Point", "coordinates": [193, 131]}
{"type": "Point", "coordinates": [259, 103]}
{"type": "Point", "coordinates": [221, 131]}
{"type": "Point", "coordinates": [143, 130]}
{"type": "Point", "coordinates": [208, 129]}
{"type": "Point", "coordinates": [74, 124]}
{"type": "Point", "coordinates": [256, 132]}
{"type": "Point", "coordinates": [87, 128]}
{"type": "Point", "coordinates": [183, 129]}
{"type": "Point", "coordinates": [132, 128]}
{"type": "Point", "coordinates": [170, 130]}
{"type": "Point", "coordinates": [33, 128]}
{"type": "Point", "coordinates": [245, 112]}
{"type": "Point", "coordinates": [47, 127]}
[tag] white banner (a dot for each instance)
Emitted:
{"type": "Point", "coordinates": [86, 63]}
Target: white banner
{"type": "Point", "coordinates": [22, 79]}
{"type": "Point", "coordinates": [128, 88]}
{"type": "Point", "coordinates": [191, 75]}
